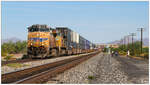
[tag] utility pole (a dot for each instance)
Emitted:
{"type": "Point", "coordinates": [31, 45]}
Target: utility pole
{"type": "Point", "coordinates": [132, 35]}
{"type": "Point", "coordinates": [124, 40]}
{"type": "Point", "coordinates": [121, 42]}
{"type": "Point", "coordinates": [128, 51]}
{"type": "Point", "coordinates": [128, 40]}
{"type": "Point", "coordinates": [125, 43]}
{"type": "Point", "coordinates": [141, 29]}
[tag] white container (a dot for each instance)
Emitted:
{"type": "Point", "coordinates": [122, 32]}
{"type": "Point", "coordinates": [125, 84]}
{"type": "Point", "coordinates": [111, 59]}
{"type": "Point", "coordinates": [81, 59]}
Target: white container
{"type": "Point", "coordinates": [71, 36]}
{"type": "Point", "coordinates": [91, 46]}
{"type": "Point", "coordinates": [74, 36]}
{"type": "Point", "coordinates": [77, 38]}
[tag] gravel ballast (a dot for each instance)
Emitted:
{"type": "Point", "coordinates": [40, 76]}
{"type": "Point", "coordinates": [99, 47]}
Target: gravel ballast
{"type": "Point", "coordinates": [78, 74]}
{"type": "Point", "coordinates": [100, 69]}
{"type": "Point", "coordinates": [108, 72]}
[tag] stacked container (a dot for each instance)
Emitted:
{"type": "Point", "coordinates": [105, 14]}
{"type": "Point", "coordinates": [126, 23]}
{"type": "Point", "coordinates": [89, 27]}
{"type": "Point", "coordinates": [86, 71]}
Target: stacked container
{"type": "Point", "coordinates": [73, 39]}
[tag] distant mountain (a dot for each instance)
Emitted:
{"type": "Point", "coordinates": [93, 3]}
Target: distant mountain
{"type": "Point", "coordinates": [145, 41]}
{"type": "Point", "coordinates": [13, 39]}
{"type": "Point", "coordinates": [115, 42]}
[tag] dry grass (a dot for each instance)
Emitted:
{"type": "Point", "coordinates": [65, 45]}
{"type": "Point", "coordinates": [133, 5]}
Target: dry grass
{"type": "Point", "coordinates": [16, 65]}
{"type": "Point", "coordinates": [139, 58]}
{"type": "Point", "coordinates": [91, 77]}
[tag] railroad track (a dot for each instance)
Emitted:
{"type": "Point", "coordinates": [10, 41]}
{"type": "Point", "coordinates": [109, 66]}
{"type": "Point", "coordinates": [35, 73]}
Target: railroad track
{"type": "Point", "coordinates": [43, 73]}
{"type": "Point", "coordinates": [24, 60]}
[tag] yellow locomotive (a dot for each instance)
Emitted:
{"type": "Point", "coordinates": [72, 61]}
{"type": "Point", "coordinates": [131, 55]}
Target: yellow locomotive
{"type": "Point", "coordinates": [42, 42]}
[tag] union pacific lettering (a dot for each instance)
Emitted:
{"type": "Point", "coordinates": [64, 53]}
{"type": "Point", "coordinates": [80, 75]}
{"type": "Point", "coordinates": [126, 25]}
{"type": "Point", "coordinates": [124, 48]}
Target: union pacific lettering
{"type": "Point", "coordinates": [38, 39]}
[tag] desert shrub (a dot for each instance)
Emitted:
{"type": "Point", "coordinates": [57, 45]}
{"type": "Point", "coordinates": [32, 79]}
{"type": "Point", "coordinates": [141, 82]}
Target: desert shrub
{"type": "Point", "coordinates": [146, 55]}
{"type": "Point", "coordinates": [8, 57]}
{"type": "Point", "coordinates": [3, 53]}
{"type": "Point", "coordinates": [10, 47]}
{"type": "Point", "coordinates": [91, 77]}
{"type": "Point", "coordinates": [122, 53]}
{"type": "Point", "coordinates": [135, 49]}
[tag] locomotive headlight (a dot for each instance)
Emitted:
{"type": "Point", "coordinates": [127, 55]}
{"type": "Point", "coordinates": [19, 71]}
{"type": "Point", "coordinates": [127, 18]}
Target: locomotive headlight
{"type": "Point", "coordinates": [31, 43]}
{"type": "Point", "coordinates": [37, 34]}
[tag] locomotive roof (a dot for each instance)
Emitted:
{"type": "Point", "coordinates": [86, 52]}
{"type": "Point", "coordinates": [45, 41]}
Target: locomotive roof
{"type": "Point", "coordinates": [63, 28]}
{"type": "Point", "coordinates": [39, 26]}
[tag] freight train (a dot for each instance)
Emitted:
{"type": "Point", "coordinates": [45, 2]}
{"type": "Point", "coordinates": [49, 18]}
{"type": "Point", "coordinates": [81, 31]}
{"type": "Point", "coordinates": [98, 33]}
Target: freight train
{"type": "Point", "coordinates": [44, 41]}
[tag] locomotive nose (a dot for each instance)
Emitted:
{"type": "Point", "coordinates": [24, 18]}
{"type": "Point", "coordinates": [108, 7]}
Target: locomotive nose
{"type": "Point", "coordinates": [38, 39]}
{"type": "Point", "coordinates": [38, 44]}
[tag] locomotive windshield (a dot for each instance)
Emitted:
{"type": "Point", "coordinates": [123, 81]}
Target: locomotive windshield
{"type": "Point", "coordinates": [33, 29]}
{"type": "Point", "coordinates": [44, 30]}
{"type": "Point", "coordinates": [38, 29]}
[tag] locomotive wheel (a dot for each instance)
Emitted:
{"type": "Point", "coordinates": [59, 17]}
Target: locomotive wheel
{"type": "Point", "coordinates": [66, 52]}
{"type": "Point", "coordinates": [57, 53]}
{"type": "Point", "coordinates": [54, 52]}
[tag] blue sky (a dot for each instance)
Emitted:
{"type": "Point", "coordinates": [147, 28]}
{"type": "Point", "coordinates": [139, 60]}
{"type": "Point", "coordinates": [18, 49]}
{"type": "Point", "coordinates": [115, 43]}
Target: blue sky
{"type": "Point", "coordinates": [99, 22]}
